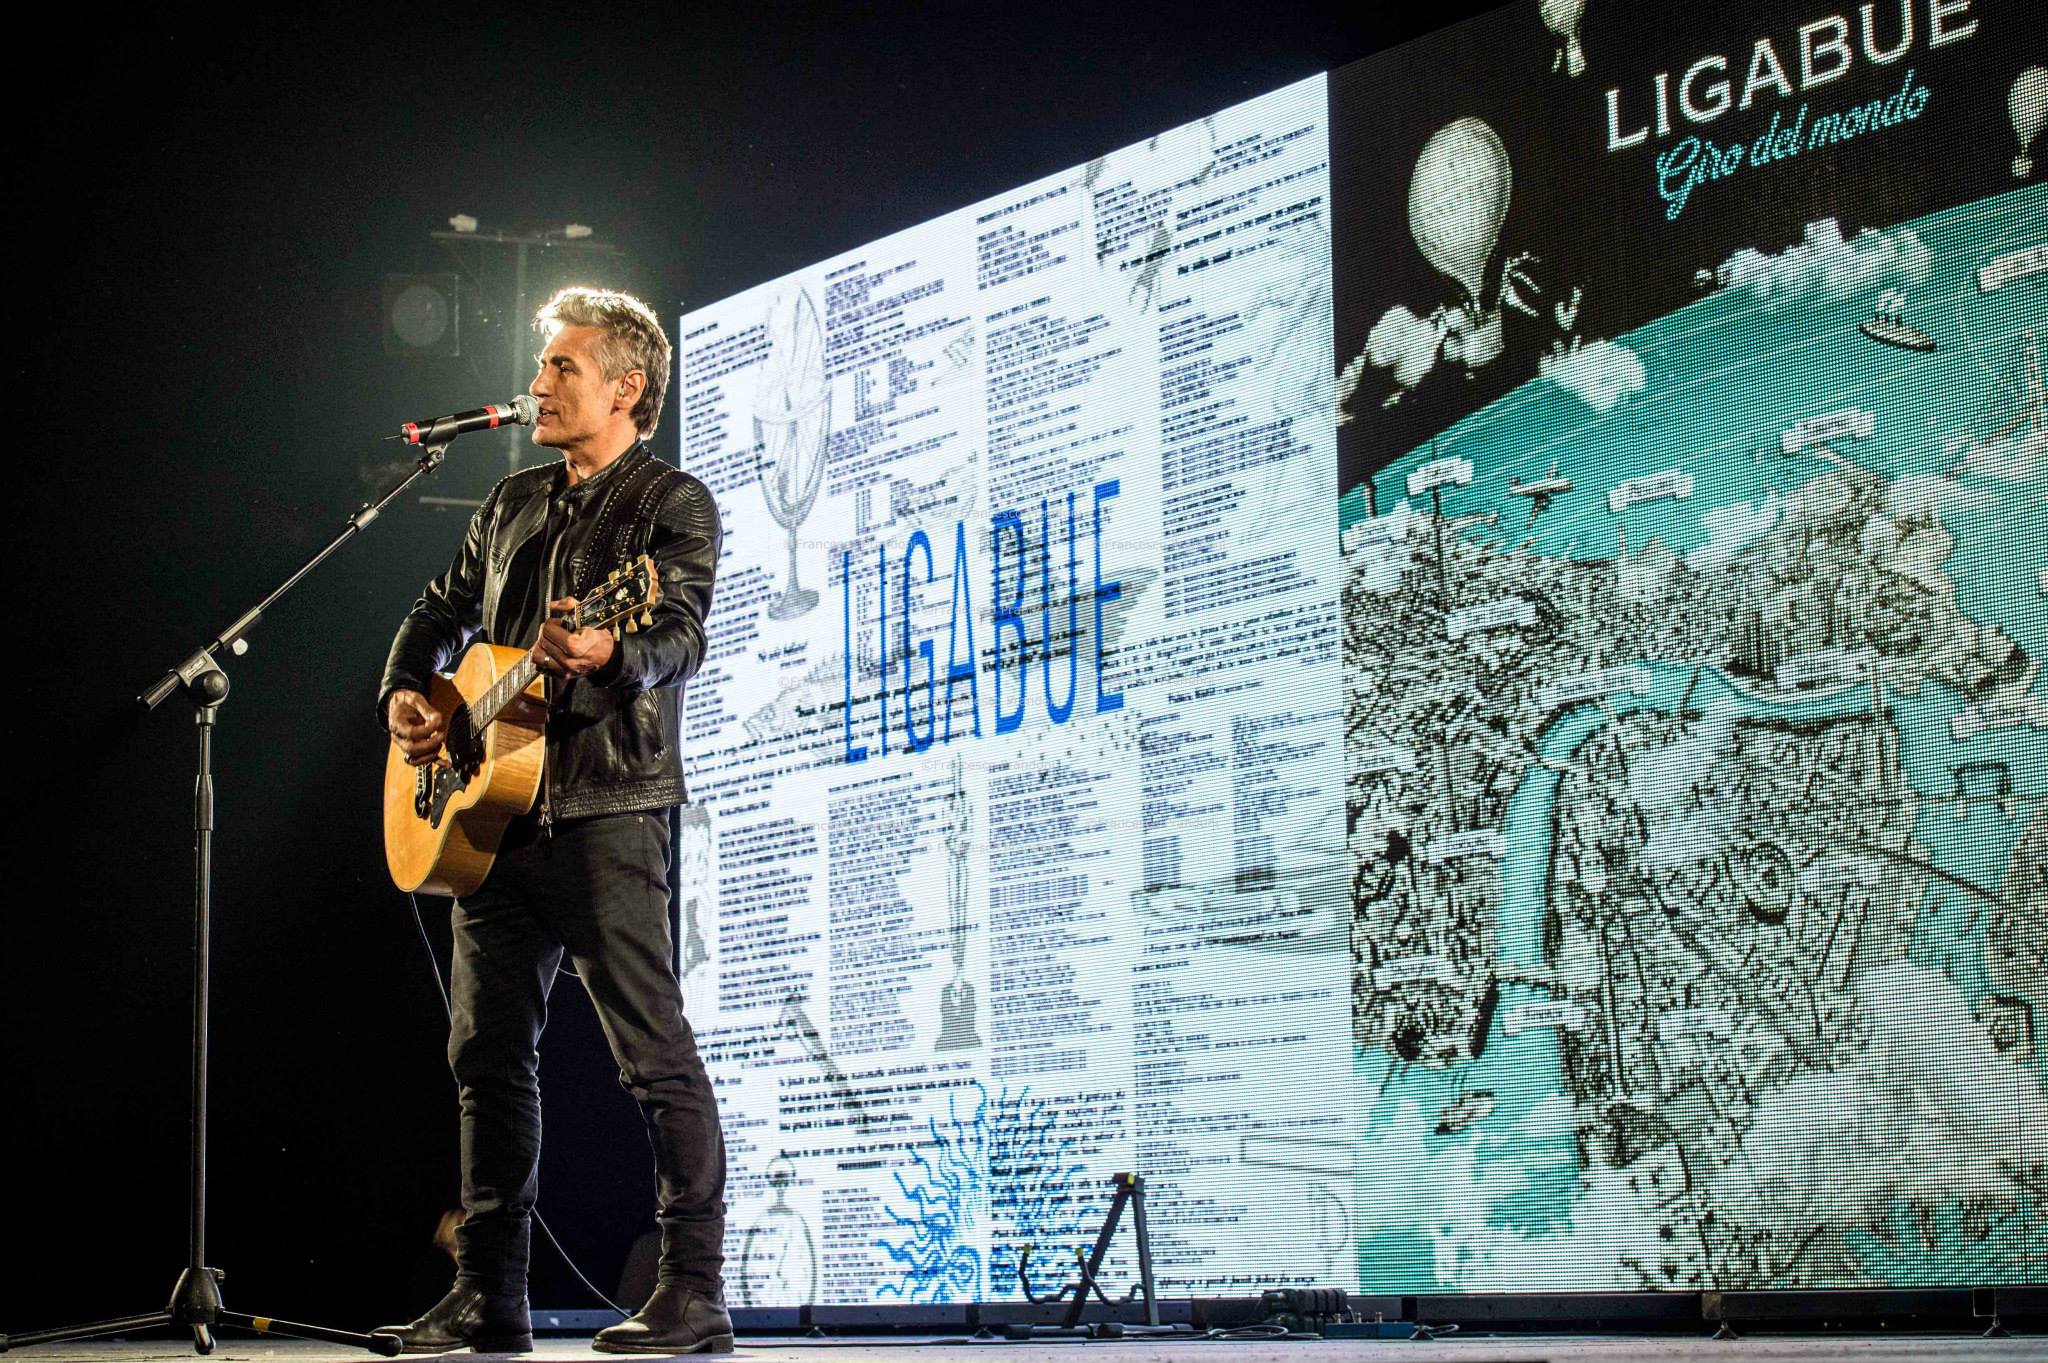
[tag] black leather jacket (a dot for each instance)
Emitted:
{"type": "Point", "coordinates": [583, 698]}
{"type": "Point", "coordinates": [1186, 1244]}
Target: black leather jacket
{"type": "Point", "coordinates": [614, 738]}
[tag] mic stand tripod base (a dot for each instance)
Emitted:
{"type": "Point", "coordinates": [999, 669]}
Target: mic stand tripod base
{"type": "Point", "coordinates": [196, 1306]}
{"type": "Point", "coordinates": [195, 1302]}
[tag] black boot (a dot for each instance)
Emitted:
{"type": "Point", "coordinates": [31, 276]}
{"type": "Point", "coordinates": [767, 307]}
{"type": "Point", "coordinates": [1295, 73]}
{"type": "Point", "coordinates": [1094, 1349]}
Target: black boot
{"type": "Point", "coordinates": [676, 1320]}
{"type": "Point", "coordinates": [467, 1319]}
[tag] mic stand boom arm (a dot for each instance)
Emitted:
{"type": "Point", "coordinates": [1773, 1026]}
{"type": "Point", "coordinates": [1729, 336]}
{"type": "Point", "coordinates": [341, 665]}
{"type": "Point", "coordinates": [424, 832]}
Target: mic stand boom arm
{"type": "Point", "coordinates": [195, 1301]}
{"type": "Point", "coordinates": [235, 637]}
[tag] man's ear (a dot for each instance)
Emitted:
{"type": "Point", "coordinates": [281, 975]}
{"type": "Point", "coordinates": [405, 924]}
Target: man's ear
{"type": "Point", "coordinates": [631, 384]}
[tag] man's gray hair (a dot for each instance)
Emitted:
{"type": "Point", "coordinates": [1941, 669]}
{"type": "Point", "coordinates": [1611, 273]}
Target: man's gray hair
{"type": "Point", "coordinates": [633, 339]}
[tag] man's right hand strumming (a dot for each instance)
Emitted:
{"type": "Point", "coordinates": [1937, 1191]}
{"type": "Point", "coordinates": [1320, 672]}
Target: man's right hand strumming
{"type": "Point", "coordinates": [416, 726]}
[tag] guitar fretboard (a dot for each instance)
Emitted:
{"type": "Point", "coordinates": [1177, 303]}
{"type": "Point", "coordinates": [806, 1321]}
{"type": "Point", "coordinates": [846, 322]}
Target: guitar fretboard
{"type": "Point", "coordinates": [485, 709]}
{"type": "Point", "coordinates": [631, 588]}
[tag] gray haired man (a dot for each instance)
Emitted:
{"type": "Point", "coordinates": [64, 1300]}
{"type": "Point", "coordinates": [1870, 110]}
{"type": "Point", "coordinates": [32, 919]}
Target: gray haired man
{"type": "Point", "coordinates": [584, 875]}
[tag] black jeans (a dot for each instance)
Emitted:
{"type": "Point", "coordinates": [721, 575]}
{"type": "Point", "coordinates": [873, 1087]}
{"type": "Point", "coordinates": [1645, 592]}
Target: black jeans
{"type": "Point", "coordinates": [599, 890]}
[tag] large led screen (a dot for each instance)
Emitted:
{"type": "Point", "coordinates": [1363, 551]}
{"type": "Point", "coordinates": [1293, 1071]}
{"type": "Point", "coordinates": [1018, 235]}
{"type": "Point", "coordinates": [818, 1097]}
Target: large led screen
{"type": "Point", "coordinates": [1442, 662]}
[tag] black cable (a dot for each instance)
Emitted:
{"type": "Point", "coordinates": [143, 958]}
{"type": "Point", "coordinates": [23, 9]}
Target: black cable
{"type": "Point", "coordinates": [1263, 1331]}
{"type": "Point", "coordinates": [419, 924]}
{"type": "Point", "coordinates": [433, 962]}
{"type": "Point", "coordinates": [538, 1220]}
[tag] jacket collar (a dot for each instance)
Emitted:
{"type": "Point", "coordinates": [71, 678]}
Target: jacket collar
{"type": "Point", "coordinates": [596, 483]}
{"type": "Point", "coordinates": [526, 500]}
{"type": "Point", "coordinates": [524, 515]}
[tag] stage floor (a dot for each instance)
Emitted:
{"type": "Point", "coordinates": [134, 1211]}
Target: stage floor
{"type": "Point", "coordinates": [1467, 1348]}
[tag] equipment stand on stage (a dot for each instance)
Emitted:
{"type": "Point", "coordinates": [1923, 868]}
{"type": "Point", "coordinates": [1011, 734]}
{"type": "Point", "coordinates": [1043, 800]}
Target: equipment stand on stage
{"type": "Point", "coordinates": [195, 1302]}
{"type": "Point", "coordinates": [1130, 1189]}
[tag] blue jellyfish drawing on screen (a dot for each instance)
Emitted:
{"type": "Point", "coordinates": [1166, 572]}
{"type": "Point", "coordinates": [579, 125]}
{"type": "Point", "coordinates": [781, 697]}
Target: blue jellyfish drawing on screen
{"type": "Point", "coordinates": [996, 1170]}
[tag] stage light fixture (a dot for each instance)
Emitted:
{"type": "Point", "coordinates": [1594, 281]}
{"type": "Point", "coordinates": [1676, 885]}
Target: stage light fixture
{"type": "Point", "coordinates": [422, 315]}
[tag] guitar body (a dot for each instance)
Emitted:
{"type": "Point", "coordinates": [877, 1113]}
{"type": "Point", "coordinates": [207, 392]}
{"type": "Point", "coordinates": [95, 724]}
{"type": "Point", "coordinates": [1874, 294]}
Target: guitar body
{"type": "Point", "coordinates": [443, 824]}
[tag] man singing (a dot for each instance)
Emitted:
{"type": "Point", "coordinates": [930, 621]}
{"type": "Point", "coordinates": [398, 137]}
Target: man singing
{"type": "Point", "coordinates": [585, 873]}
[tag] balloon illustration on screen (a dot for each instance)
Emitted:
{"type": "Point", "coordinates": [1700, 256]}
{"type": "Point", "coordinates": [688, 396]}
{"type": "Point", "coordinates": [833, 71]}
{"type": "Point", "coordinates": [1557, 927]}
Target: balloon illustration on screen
{"type": "Point", "coordinates": [1457, 201]}
{"type": "Point", "coordinates": [2028, 105]}
{"type": "Point", "coordinates": [1562, 18]}
{"type": "Point", "coordinates": [792, 419]}
{"type": "Point", "coordinates": [1457, 204]}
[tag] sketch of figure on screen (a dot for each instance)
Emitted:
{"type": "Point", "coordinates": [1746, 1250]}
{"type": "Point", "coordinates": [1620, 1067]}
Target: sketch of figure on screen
{"type": "Point", "coordinates": [779, 1256]}
{"type": "Point", "coordinates": [1131, 196]}
{"type": "Point", "coordinates": [697, 928]}
{"type": "Point", "coordinates": [956, 999]}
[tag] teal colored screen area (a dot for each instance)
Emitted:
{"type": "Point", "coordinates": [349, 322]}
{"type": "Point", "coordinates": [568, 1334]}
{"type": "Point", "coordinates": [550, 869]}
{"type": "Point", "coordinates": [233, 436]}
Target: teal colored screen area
{"type": "Point", "coordinates": [1693, 447]}
{"type": "Point", "coordinates": [1749, 995]}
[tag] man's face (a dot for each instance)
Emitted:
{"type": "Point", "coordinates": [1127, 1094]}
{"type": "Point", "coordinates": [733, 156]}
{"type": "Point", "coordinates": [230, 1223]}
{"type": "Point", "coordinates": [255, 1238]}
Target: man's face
{"type": "Point", "coordinates": [577, 403]}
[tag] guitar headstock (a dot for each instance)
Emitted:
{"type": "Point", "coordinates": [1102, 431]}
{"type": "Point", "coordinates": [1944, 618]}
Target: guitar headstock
{"type": "Point", "coordinates": [624, 601]}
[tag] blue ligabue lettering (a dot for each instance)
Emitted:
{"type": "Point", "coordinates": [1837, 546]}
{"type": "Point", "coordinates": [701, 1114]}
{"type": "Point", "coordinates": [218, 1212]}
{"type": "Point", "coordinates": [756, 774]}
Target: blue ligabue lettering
{"type": "Point", "coordinates": [854, 752]}
{"type": "Point", "coordinates": [1105, 699]}
{"type": "Point", "coordinates": [907, 656]}
{"type": "Point", "coordinates": [882, 638]}
{"type": "Point", "coordinates": [1058, 711]}
{"type": "Point", "coordinates": [960, 665]}
{"type": "Point", "coordinates": [918, 741]}
{"type": "Point", "coordinates": [1009, 614]}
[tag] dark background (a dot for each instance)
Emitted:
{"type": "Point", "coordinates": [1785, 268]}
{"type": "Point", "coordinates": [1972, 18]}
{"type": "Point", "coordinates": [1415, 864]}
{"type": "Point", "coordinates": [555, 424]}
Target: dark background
{"type": "Point", "coordinates": [203, 214]}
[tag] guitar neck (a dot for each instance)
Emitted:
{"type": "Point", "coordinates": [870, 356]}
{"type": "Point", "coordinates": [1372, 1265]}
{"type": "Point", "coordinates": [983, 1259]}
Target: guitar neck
{"type": "Point", "coordinates": [597, 613]}
{"type": "Point", "coordinates": [485, 709]}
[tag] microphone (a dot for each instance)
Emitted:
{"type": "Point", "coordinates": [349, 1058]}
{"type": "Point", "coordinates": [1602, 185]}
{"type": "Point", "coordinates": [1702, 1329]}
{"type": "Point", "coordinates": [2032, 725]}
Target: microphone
{"type": "Point", "coordinates": [441, 429]}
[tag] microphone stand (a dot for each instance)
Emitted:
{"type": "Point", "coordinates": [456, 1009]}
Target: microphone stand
{"type": "Point", "coordinates": [195, 1301]}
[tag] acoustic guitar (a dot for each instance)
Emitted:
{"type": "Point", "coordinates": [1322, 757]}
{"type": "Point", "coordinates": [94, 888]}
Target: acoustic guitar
{"type": "Point", "coordinates": [443, 821]}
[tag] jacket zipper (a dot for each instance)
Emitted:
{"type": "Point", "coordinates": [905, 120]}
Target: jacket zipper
{"type": "Point", "coordinates": [547, 763]}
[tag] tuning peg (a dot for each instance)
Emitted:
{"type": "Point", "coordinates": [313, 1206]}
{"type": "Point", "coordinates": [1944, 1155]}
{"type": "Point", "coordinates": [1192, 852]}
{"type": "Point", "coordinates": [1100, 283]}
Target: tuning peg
{"type": "Point", "coordinates": [646, 617]}
{"type": "Point", "coordinates": [615, 632]}
{"type": "Point", "coordinates": [614, 577]}
{"type": "Point", "coordinates": [632, 626]}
